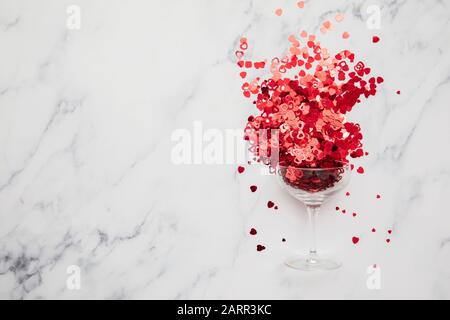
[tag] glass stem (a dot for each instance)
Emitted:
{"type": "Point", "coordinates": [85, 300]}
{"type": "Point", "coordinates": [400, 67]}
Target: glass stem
{"type": "Point", "coordinates": [313, 210]}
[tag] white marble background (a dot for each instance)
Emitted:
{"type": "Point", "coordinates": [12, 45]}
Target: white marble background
{"type": "Point", "coordinates": [86, 178]}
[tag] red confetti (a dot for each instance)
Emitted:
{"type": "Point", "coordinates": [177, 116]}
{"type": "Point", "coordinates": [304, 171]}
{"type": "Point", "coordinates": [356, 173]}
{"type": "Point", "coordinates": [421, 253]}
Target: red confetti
{"type": "Point", "coordinates": [243, 74]}
{"type": "Point", "coordinates": [276, 207]}
{"type": "Point", "coordinates": [337, 208]}
{"type": "Point", "coordinates": [388, 240]}
{"type": "Point", "coordinates": [389, 231]}
{"type": "Point", "coordinates": [373, 230]}
{"type": "Point", "coordinates": [354, 214]}
{"type": "Point", "coordinates": [347, 193]}
{"type": "Point", "coordinates": [375, 39]}
{"type": "Point", "coordinates": [241, 169]}
{"type": "Point", "coordinates": [360, 170]}
{"type": "Point", "coordinates": [398, 91]}
{"type": "Point", "coordinates": [253, 231]}
{"type": "Point", "coordinates": [378, 196]}
{"type": "Point", "coordinates": [253, 188]}
{"type": "Point", "coordinates": [343, 211]}
{"type": "Point", "coordinates": [270, 204]}
{"type": "Point", "coordinates": [355, 240]}
{"type": "Point", "coordinates": [260, 247]}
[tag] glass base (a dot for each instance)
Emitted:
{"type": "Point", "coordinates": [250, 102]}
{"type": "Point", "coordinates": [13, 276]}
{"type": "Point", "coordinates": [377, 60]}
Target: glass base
{"type": "Point", "coordinates": [312, 263]}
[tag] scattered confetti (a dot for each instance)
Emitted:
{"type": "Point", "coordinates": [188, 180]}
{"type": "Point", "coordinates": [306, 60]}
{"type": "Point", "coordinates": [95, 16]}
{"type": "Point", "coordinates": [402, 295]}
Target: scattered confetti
{"type": "Point", "coordinates": [241, 169]}
{"type": "Point", "coordinates": [253, 231]}
{"type": "Point", "coordinates": [389, 231]}
{"type": "Point", "coordinates": [270, 204]}
{"type": "Point", "coordinates": [398, 91]}
{"type": "Point", "coordinates": [388, 240]}
{"type": "Point", "coordinates": [374, 230]}
{"type": "Point", "coordinates": [339, 17]}
{"type": "Point", "coordinates": [279, 12]}
{"type": "Point", "coordinates": [347, 194]}
{"type": "Point", "coordinates": [253, 188]}
{"type": "Point", "coordinates": [276, 207]}
{"type": "Point", "coordinates": [346, 35]}
{"type": "Point", "coordinates": [355, 240]}
{"type": "Point", "coordinates": [243, 74]}
{"type": "Point", "coordinates": [337, 208]}
{"type": "Point", "coordinates": [354, 214]}
{"type": "Point", "coordinates": [284, 240]}
{"type": "Point", "coordinates": [375, 39]}
{"type": "Point", "coordinates": [378, 196]}
{"type": "Point", "coordinates": [344, 211]}
{"type": "Point", "coordinates": [360, 170]}
{"type": "Point", "coordinates": [260, 247]}
{"type": "Point", "coordinates": [301, 4]}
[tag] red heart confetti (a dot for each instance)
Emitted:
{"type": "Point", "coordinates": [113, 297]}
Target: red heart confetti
{"type": "Point", "coordinates": [373, 230]}
{"type": "Point", "coordinates": [375, 39]}
{"type": "Point", "coordinates": [355, 240]}
{"type": "Point", "coordinates": [389, 231]}
{"type": "Point", "coordinates": [388, 240]}
{"type": "Point", "coordinates": [354, 214]}
{"type": "Point", "coordinates": [253, 231]}
{"type": "Point", "coordinates": [260, 247]}
{"type": "Point", "coordinates": [253, 188]}
{"type": "Point", "coordinates": [378, 196]}
{"type": "Point", "coordinates": [270, 204]}
{"type": "Point", "coordinates": [360, 170]}
{"type": "Point", "coordinates": [241, 169]}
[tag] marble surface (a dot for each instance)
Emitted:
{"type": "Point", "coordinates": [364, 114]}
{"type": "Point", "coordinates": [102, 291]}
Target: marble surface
{"type": "Point", "coordinates": [86, 176]}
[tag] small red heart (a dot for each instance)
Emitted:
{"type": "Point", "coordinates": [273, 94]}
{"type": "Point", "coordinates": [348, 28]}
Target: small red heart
{"type": "Point", "coordinates": [354, 214]}
{"type": "Point", "coordinates": [355, 240]}
{"type": "Point", "coordinates": [373, 230]}
{"type": "Point", "coordinates": [260, 247]}
{"type": "Point", "coordinates": [389, 231]}
{"type": "Point", "coordinates": [375, 39]}
{"type": "Point", "coordinates": [388, 240]}
{"type": "Point", "coordinates": [243, 74]}
{"type": "Point", "coordinates": [253, 188]}
{"type": "Point", "coordinates": [240, 63]}
{"type": "Point", "coordinates": [360, 170]}
{"type": "Point", "coordinates": [378, 196]}
{"type": "Point", "coordinates": [241, 169]}
{"type": "Point", "coordinates": [270, 204]}
{"type": "Point", "coordinates": [276, 207]}
{"type": "Point", "coordinates": [253, 231]}
{"type": "Point", "coordinates": [398, 92]}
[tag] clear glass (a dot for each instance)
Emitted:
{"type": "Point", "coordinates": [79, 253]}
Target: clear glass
{"type": "Point", "coordinates": [313, 186]}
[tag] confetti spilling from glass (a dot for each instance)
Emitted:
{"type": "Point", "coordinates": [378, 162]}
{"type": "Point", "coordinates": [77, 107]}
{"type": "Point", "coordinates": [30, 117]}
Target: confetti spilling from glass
{"type": "Point", "coordinates": [302, 107]}
{"type": "Point", "coordinates": [306, 100]}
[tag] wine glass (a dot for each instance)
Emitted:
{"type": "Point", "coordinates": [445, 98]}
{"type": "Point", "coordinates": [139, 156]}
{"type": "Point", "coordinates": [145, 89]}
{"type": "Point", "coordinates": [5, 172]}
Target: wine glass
{"type": "Point", "coordinates": [313, 186]}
